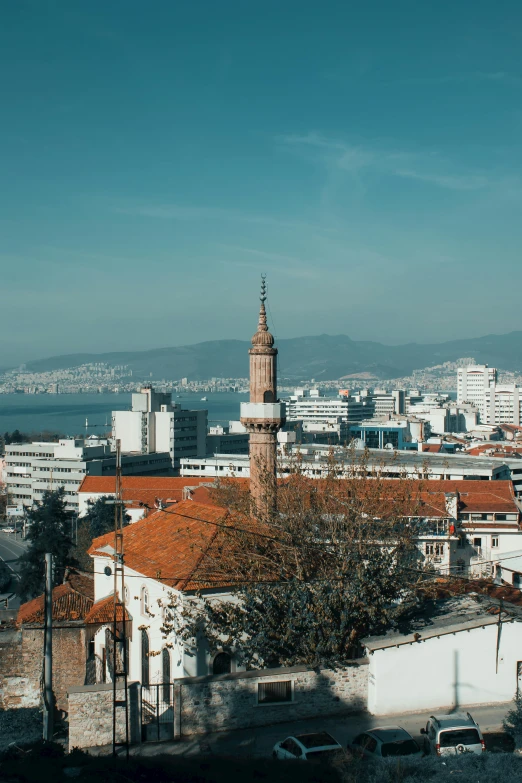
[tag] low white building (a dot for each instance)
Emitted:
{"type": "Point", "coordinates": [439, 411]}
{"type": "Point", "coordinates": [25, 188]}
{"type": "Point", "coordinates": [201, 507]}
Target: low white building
{"type": "Point", "coordinates": [313, 407]}
{"type": "Point", "coordinates": [222, 440]}
{"type": "Point", "coordinates": [155, 571]}
{"type": "Point", "coordinates": [460, 656]}
{"type": "Point", "coordinates": [33, 468]}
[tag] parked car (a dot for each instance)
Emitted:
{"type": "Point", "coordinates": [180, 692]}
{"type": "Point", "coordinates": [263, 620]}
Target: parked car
{"type": "Point", "coordinates": [8, 529]}
{"type": "Point", "coordinates": [319, 746]}
{"type": "Point", "coordinates": [385, 741]}
{"type": "Point", "coordinates": [450, 734]}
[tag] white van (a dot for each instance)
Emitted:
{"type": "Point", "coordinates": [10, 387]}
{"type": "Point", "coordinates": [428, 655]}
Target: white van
{"type": "Point", "coordinates": [448, 735]}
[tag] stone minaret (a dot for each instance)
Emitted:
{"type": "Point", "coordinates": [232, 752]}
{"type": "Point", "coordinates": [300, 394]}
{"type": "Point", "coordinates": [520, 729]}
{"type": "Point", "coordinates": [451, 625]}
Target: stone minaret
{"type": "Point", "coordinates": [263, 416]}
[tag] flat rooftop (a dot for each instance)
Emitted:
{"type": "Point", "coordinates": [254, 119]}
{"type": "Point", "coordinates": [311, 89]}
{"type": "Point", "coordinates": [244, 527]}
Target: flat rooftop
{"type": "Point", "coordinates": [460, 613]}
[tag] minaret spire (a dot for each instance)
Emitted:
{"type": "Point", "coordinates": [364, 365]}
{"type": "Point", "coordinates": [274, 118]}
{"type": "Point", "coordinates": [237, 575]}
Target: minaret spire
{"type": "Point", "coordinates": [262, 325]}
{"type": "Point", "coordinates": [263, 416]}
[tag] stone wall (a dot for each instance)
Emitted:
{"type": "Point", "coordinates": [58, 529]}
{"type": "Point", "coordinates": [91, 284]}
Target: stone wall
{"type": "Point", "coordinates": [21, 662]}
{"type": "Point", "coordinates": [230, 701]}
{"type": "Point", "coordinates": [90, 715]}
{"type": "Point", "coordinates": [20, 672]}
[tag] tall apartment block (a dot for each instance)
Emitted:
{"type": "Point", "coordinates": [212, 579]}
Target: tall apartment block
{"type": "Point", "coordinates": [473, 383]}
{"type": "Point", "coordinates": [157, 424]}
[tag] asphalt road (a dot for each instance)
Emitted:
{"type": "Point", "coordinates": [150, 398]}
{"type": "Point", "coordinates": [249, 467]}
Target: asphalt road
{"type": "Point", "coordinates": [10, 550]}
{"type": "Point", "coordinates": [259, 742]}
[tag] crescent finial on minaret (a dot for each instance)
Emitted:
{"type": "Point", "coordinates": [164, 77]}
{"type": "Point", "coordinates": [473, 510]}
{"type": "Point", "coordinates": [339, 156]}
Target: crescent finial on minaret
{"type": "Point", "coordinates": [262, 336]}
{"type": "Point", "coordinates": [263, 288]}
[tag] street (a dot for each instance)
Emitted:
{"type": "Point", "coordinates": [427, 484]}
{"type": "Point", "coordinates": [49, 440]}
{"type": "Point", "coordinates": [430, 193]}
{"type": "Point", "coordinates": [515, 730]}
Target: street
{"type": "Point", "coordinates": [259, 742]}
{"type": "Point", "coordinates": [10, 550]}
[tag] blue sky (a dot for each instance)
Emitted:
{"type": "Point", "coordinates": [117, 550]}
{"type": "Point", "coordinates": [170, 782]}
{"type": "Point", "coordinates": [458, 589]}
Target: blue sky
{"type": "Point", "coordinates": [156, 157]}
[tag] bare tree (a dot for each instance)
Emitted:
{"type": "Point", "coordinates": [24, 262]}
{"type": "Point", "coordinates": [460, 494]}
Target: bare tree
{"type": "Point", "coordinates": [336, 561]}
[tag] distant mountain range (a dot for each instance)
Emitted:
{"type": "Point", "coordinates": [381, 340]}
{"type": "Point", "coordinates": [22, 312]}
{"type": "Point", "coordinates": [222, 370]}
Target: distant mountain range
{"type": "Point", "coordinates": [325, 357]}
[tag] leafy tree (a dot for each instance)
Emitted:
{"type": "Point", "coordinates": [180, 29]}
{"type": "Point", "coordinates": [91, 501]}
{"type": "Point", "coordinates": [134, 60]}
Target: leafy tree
{"type": "Point", "coordinates": [49, 530]}
{"type": "Point", "coordinates": [5, 576]}
{"type": "Point", "coordinates": [98, 520]}
{"type": "Point", "coordinates": [16, 437]}
{"type": "Point", "coordinates": [336, 562]}
{"type": "Point", "coordinates": [512, 723]}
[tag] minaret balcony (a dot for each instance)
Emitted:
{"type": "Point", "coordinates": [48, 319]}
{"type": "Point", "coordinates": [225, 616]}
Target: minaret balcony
{"type": "Point", "coordinates": [259, 412]}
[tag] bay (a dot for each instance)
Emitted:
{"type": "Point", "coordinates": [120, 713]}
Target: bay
{"type": "Point", "coordinates": [67, 413]}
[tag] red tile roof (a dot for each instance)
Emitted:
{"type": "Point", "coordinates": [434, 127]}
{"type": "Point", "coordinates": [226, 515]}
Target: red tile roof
{"type": "Point", "coordinates": [103, 612]}
{"type": "Point", "coordinates": [432, 448]}
{"type": "Point", "coordinates": [496, 450]}
{"type": "Point", "coordinates": [145, 490]}
{"type": "Point", "coordinates": [474, 496]}
{"type": "Point", "coordinates": [179, 545]}
{"type": "Point", "coordinates": [173, 545]}
{"type": "Point", "coordinates": [72, 600]}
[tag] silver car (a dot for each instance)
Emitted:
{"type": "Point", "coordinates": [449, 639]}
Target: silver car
{"type": "Point", "coordinates": [448, 735]}
{"type": "Point", "coordinates": [385, 741]}
{"type": "Point", "coordinates": [319, 746]}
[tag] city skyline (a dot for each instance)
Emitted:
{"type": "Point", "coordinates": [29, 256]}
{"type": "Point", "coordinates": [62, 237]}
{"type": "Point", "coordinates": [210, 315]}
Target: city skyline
{"type": "Point", "coordinates": [366, 158]}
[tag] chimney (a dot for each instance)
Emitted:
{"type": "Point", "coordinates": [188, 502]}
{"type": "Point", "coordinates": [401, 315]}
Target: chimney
{"type": "Point", "coordinates": [452, 504]}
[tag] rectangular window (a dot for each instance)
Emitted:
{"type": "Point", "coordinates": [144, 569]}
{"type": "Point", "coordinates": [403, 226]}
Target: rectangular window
{"type": "Point", "coordinates": [274, 692]}
{"type": "Point", "coordinates": [430, 549]}
{"type": "Point", "coordinates": [494, 542]}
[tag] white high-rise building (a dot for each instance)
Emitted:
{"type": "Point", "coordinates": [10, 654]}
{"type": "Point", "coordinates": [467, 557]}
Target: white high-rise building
{"type": "Point", "coordinates": [156, 424]}
{"type": "Point", "coordinates": [473, 385]}
{"type": "Point", "coordinates": [503, 404]}
{"type": "Point", "coordinates": [496, 403]}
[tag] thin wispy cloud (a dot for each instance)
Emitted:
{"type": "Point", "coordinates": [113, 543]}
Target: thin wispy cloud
{"type": "Point", "coordinates": [464, 182]}
{"type": "Point", "coordinates": [198, 213]}
{"type": "Point", "coordinates": [290, 266]}
{"type": "Point", "coordinates": [498, 77]}
{"type": "Point", "coordinates": [351, 158]}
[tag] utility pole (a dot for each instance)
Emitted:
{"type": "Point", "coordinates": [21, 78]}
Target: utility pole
{"type": "Point", "coordinates": [120, 665]}
{"type": "Point", "coordinates": [48, 717]}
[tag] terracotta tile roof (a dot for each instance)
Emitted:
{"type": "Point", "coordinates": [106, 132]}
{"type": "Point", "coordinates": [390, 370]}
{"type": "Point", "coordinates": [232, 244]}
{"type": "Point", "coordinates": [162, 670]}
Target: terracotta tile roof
{"type": "Point", "coordinates": [172, 545]}
{"type": "Point", "coordinates": [474, 496]}
{"type": "Point", "coordinates": [103, 612]}
{"type": "Point", "coordinates": [432, 448]}
{"type": "Point", "coordinates": [71, 601]}
{"type": "Point", "coordinates": [145, 490]}
{"type": "Point", "coordinates": [181, 545]}
{"type": "Point", "coordinates": [496, 450]}
{"type": "Point", "coordinates": [428, 497]}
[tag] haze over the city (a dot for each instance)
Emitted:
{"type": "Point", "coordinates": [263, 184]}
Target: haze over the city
{"type": "Point", "coordinates": [158, 157]}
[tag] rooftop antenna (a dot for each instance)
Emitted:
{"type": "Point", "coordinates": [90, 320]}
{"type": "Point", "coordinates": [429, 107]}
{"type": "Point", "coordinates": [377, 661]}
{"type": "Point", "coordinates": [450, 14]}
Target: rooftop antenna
{"type": "Point", "coordinates": [119, 664]}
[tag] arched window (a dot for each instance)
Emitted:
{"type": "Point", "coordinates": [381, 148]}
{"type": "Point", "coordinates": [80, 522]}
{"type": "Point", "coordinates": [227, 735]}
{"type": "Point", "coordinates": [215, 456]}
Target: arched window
{"type": "Point", "coordinates": [144, 657]}
{"type": "Point", "coordinates": [144, 600]}
{"type": "Point", "coordinates": [268, 396]}
{"type": "Point", "coordinates": [222, 663]}
{"type": "Point", "coordinates": [126, 595]}
{"type": "Point", "coordinates": [165, 665]}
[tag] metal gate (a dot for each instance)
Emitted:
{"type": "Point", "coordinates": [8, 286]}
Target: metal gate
{"type": "Point", "coordinates": [157, 712]}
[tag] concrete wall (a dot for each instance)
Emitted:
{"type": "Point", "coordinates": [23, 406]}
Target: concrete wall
{"type": "Point", "coordinates": [90, 716]}
{"type": "Point", "coordinates": [230, 701]}
{"type": "Point", "coordinates": [446, 671]}
{"type": "Point", "coordinates": [21, 661]}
